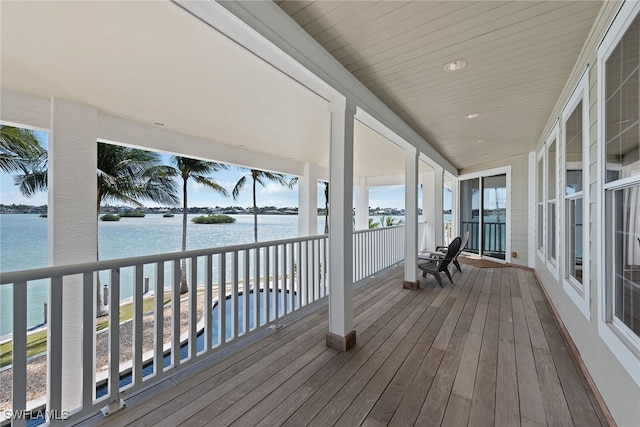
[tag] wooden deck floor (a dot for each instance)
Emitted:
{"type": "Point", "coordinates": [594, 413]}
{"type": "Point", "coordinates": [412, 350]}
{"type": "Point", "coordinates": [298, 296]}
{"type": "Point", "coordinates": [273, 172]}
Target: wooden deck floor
{"type": "Point", "coordinates": [484, 351]}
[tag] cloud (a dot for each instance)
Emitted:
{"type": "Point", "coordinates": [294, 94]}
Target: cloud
{"type": "Point", "coordinates": [274, 188]}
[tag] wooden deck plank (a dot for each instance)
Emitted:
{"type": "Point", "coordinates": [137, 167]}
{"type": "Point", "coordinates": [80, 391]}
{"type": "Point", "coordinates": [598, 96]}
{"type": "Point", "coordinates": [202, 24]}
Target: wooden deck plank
{"type": "Point", "coordinates": [459, 406]}
{"type": "Point", "coordinates": [484, 351]}
{"type": "Point", "coordinates": [531, 407]}
{"type": "Point", "coordinates": [554, 401]}
{"type": "Point", "coordinates": [237, 386]}
{"type": "Point", "coordinates": [414, 397]}
{"type": "Point", "coordinates": [385, 407]}
{"type": "Point", "coordinates": [482, 411]}
{"type": "Point", "coordinates": [434, 408]}
{"type": "Point", "coordinates": [282, 412]}
{"type": "Point", "coordinates": [507, 401]}
{"type": "Point", "coordinates": [311, 408]}
{"type": "Point", "coordinates": [353, 396]}
{"type": "Point", "coordinates": [573, 385]}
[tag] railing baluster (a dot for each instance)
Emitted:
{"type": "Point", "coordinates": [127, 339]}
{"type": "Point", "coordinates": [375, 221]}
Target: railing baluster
{"type": "Point", "coordinates": [158, 359]}
{"type": "Point", "coordinates": [175, 313]}
{"type": "Point", "coordinates": [315, 272]}
{"type": "Point", "coordinates": [267, 285]}
{"type": "Point", "coordinates": [245, 290]}
{"type": "Point", "coordinates": [291, 289]}
{"type": "Point", "coordinates": [222, 299]}
{"type": "Point", "coordinates": [208, 301]}
{"type": "Point", "coordinates": [256, 287]}
{"type": "Point", "coordinates": [114, 401]}
{"type": "Point", "coordinates": [276, 284]}
{"type": "Point", "coordinates": [19, 388]}
{"type": "Point", "coordinates": [234, 294]}
{"type": "Point", "coordinates": [88, 338]}
{"type": "Point", "coordinates": [284, 281]}
{"type": "Point", "coordinates": [298, 274]}
{"type": "Point", "coordinates": [137, 325]}
{"type": "Point", "coordinates": [54, 344]}
{"type": "Point", "coordinates": [193, 309]}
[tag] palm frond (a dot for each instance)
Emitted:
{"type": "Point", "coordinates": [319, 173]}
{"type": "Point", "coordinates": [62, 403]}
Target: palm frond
{"type": "Point", "coordinates": [238, 187]}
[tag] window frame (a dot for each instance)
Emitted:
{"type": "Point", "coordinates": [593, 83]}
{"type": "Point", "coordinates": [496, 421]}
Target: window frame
{"type": "Point", "coordinates": [541, 217]}
{"type": "Point", "coordinates": [552, 263]}
{"type": "Point", "coordinates": [578, 292]}
{"type": "Point", "coordinates": [617, 337]}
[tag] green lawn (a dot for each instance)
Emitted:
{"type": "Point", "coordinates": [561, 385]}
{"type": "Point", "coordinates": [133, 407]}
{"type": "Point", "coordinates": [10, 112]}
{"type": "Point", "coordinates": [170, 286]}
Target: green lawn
{"type": "Point", "coordinates": [37, 341]}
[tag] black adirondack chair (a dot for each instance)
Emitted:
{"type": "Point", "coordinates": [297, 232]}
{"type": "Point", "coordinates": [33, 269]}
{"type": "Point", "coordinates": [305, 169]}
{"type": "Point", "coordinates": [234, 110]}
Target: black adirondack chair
{"type": "Point", "coordinates": [437, 264]}
{"type": "Point", "coordinates": [443, 250]}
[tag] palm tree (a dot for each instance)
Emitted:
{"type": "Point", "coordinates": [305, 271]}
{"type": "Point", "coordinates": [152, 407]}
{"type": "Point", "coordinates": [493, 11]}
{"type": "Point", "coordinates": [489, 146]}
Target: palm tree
{"type": "Point", "coordinates": [259, 177]}
{"type": "Point", "coordinates": [198, 171]}
{"type": "Point", "coordinates": [129, 175]}
{"type": "Point", "coordinates": [389, 221]}
{"type": "Point", "coordinates": [124, 174]}
{"type": "Point", "coordinates": [18, 149]}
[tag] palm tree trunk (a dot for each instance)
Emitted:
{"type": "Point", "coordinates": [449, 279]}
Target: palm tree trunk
{"type": "Point", "coordinates": [255, 212]}
{"type": "Point", "coordinates": [184, 288]}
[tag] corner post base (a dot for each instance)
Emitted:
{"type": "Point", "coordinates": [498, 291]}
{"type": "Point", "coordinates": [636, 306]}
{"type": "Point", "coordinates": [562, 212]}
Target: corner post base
{"type": "Point", "coordinates": [340, 342]}
{"type": "Point", "coordinates": [411, 285]}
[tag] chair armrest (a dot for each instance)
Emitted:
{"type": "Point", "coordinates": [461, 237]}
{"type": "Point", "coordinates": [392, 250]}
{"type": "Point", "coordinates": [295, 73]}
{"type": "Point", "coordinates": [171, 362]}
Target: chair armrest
{"type": "Point", "coordinates": [441, 248]}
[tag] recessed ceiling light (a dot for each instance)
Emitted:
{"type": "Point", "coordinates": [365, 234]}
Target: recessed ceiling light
{"type": "Point", "coordinates": [158, 123]}
{"type": "Point", "coordinates": [472, 116]}
{"type": "Point", "coordinates": [485, 155]}
{"type": "Point", "coordinates": [456, 65]}
{"type": "Point", "coordinates": [480, 141]}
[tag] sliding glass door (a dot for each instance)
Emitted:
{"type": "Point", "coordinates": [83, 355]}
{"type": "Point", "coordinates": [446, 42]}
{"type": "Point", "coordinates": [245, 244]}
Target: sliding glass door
{"type": "Point", "coordinates": [483, 213]}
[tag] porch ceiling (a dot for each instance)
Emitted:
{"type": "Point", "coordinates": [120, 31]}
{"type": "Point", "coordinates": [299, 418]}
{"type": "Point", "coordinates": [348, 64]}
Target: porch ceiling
{"type": "Point", "coordinates": [519, 56]}
{"type": "Point", "coordinates": [152, 62]}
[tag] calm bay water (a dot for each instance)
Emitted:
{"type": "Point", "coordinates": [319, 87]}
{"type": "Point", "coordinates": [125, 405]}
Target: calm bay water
{"type": "Point", "coordinates": [23, 245]}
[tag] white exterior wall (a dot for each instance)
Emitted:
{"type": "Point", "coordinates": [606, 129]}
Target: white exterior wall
{"type": "Point", "coordinates": [613, 368]}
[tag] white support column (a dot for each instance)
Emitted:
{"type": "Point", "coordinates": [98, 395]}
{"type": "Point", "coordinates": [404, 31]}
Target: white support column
{"type": "Point", "coordinates": [411, 220]}
{"type": "Point", "coordinates": [308, 201]}
{"type": "Point", "coordinates": [341, 334]}
{"type": "Point", "coordinates": [428, 209]}
{"type": "Point", "coordinates": [438, 206]}
{"type": "Point", "coordinates": [73, 227]}
{"type": "Point", "coordinates": [362, 205]}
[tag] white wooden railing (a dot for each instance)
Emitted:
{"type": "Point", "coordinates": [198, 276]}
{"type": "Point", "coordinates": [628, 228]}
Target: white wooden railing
{"type": "Point", "coordinates": [290, 274]}
{"type": "Point", "coordinates": [376, 249]}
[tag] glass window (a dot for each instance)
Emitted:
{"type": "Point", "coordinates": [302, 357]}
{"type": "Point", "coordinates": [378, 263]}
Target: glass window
{"type": "Point", "coordinates": [574, 193]}
{"type": "Point", "coordinates": [622, 106]}
{"type": "Point", "coordinates": [625, 223]}
{"type": "Point", "coordinates": [622, 176]}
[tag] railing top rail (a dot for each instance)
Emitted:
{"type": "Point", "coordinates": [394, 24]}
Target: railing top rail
{"type": "Point", "coordinates": [377, 229]}
{"type": "Point", "coordinates": [71, 269]}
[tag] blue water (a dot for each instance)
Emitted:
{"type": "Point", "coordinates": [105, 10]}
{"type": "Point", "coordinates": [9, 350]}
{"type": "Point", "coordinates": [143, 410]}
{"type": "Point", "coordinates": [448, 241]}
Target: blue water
{"type": "Point", "coordinates": [23, 245]}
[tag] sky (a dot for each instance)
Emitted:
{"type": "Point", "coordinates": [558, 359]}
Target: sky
{"type": "Point", "coordinates": [199, 196]}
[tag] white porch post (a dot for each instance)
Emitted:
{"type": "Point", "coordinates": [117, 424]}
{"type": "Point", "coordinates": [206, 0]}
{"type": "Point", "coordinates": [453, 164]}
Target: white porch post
{"type": "Point", "coordinates": [72, 162]}
{"type": "Point", "coordinates": [362, 205]}
{"type": "Point", "coordinates": [341, 334]}
{"type": "Point", "coordinates": [432, 193]}
{"type": "Point", "coordinates": [308, 202]}
{"type": "Point", "coordinates": [439, 206]}
{"type": "Point", "coordinates": [411, 220]}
